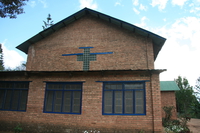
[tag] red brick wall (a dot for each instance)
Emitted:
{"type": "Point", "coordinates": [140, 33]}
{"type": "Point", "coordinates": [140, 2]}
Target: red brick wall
{"type": "Point", "coordinates": [156, 102]}
{"type": "Point", "coordinates": [130, 50]}
{"type": "Point", "coordinates": [169, 99]}
{"type": "Point", "coordinates": [91, 118]}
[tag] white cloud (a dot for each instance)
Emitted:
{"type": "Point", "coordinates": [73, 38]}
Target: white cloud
{"type": "Point", "coordinates": [119, 3]}
{"type": "Point", "coordinates": [195, 7]}
{"type": "Point", "coordinates": [180, 54]}
{"type": "Point", "coordinates": [178, 2]}
{"type": "Point", "coordinates": [142, 7]}
{"type": "Point", "coordinates": [32, 3]}
{"type": "Point", "coordinates": [12, 59]}
{"type": "Point", "coordinates": [160, 3]}
{"type": "Point", "coordinates": [44, 3]}
{"type": "Point", "coordinates": [195, 10]}
{"type": "Point", "coordinates": [143, 22]}
{"type": "Point", "coordinates": [135, 2]}
{"type": "Point", "coordinates": [88, 3]}
{"type": "Point", "coordinates": [136, 11]}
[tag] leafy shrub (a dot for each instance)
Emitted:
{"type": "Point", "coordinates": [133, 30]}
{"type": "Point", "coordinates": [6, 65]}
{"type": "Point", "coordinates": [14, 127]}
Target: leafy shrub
{"type": "Point", "coordinates": [174, 129]}
{"type": "Point", "coordinates": [18, 128]}
{"type": "Point", "coordinates": [168, 114]}
{"type": "Point", "coordinates": [176, 122]}
{"type": "Point", "coordinates": [175, 126]}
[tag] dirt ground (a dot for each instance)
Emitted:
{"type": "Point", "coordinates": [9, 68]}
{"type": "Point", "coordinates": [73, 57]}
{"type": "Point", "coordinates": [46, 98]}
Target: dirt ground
{"type": "Point", "coordinates": [194, 125]}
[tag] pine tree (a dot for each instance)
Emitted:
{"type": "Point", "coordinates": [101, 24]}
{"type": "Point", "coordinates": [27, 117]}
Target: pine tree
{"type": "Point", "coordinates": [1, 58]}
{"type": "Point", "coordinates": [49, 22]}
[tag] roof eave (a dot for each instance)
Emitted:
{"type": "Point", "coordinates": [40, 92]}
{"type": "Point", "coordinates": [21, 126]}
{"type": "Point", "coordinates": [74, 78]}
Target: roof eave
{"type": "Point", "coordinates": [90, 71]}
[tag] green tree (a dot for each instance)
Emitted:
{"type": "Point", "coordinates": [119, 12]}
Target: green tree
{"type": "Point", "coordinates": [11, 8]}
{"type": "Point", "coordinates": [49, 22]}
{"type": "Point", "coordinates": [197, 89]}
{"type": "Point", "coordinates": [196, 107]}
{"type": "Point", "coordinates": [1, 58]}
{"type": "Point", "coordinates": [185, 97]}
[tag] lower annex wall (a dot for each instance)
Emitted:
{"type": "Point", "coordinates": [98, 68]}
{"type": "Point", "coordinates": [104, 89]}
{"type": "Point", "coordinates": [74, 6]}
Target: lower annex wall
{"type": "Point", "coordinates": [91, 118]}
{"type": "Point", "coordinates": [169, 99]}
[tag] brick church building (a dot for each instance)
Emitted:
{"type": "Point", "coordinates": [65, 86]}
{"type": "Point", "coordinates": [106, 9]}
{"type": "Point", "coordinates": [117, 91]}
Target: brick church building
{"type": "Point", "coordinates": [88, 72]}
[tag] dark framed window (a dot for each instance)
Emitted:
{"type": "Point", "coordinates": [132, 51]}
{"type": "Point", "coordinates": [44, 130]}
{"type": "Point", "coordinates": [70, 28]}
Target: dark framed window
{"type": "Point", "coordinates": [124, 98]}
{"type": "Point", "coordinates": [13, 95]}
{"type": "Point", "coordinates": [63, 97]}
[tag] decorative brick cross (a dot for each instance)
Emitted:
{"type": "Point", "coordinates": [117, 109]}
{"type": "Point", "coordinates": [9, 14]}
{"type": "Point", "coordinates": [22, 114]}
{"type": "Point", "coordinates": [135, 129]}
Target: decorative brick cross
{"type": "Point", "coordinates": [86, 57]}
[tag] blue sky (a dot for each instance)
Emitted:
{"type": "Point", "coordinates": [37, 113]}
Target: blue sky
{"type": "Point", "coordinates": [176, 20]}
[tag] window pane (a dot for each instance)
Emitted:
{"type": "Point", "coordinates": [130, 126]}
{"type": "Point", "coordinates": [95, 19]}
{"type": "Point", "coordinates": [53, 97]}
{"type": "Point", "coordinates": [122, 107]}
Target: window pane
{"type": "Point", "coordinates": [58, 101]}
{"type": "Point", "coordinates": [67, 101]}
{"type": "Point", "coordinates": [76, 109]}
{"type": "Point", "coordinates": [22, 85]}
{"type": "Point", "coordinates": [23, 100]}
{"type": "Point", "coordinates": [139, 94]}
{"type": "Point", "coordinates": [6, 85]}
{"type": "Point", "coordinates": [123, 98]}
{"type": "Point", "coordinates": [2, 95]}
{"type": "Point", "coordinates": [118, 102]}
{"type": "Point", "coordinates": [129, 86]}
{"type": "Point", "coordinates": [129, 102]}
{"type": "Point", "coordinates": [8, 99]}
{"type": "Point", "coordinates": [77, 87]}
{"type": "Point", "coordinates": [11, 96]}
{"type": "Point", "coordinates": [139, 102]}
{"type": "Point", "coordinates": [49, 100]}
{"type": "Point", "coordinates": [76, 101]}
{"type": "Point", "coordinates": [108, 101]}
{"type": "Point", "coordinates": [15, 99]}
{"type": "Point", "coordinates": [2, 85]}
{"type": "Point", "coordinates": [73, 87]}
{"type": "Point", "coordinates": [139, 110]}
{"type": "Point", "coordinates": [66, 97]}
{"type": "Point", "coordinates": [134, 86]}
{"type": "Point", "coordinates": [113, 86]}
{"type": "Point", "coordinates": [55, 86]}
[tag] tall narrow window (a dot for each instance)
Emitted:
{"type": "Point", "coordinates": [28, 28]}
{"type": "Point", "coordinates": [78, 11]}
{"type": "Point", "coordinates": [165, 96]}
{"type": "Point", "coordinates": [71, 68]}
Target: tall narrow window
{"type": "Point", "coordinates": [124, 98]}
{"type": "Point", "coordinates": [63, 97]}
{"type": "Point", "coordinates": [13, 95]}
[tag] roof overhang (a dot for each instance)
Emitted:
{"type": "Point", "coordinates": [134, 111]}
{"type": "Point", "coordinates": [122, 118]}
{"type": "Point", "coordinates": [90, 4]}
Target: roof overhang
{"type": "Point", "coordinates": [157, 40]}
{"type": "Point", "coordinates": [151, 71]}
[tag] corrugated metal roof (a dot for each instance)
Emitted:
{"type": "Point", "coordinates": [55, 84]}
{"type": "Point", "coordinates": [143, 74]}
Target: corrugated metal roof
{"type": "Point", "coordinates": [168, 86]}
{"type": "Point", "coordinates": [158, 41]}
